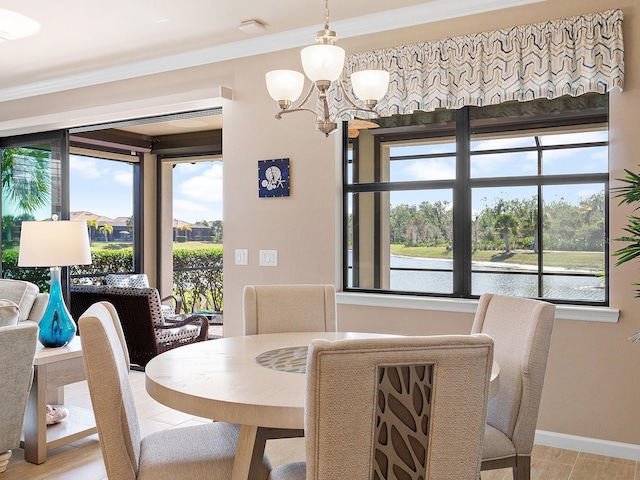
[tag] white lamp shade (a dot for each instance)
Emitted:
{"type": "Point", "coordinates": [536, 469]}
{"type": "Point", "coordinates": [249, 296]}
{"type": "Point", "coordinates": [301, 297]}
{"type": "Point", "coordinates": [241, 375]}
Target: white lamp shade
{"type": "Point", "coordinates": [370, 84]}
{"type": "Point", "coordinates": [322, 62]}
{"type": "Point", "coordinates": [54, 244]}
{"type": "Point", "coordinates": [284, 84]}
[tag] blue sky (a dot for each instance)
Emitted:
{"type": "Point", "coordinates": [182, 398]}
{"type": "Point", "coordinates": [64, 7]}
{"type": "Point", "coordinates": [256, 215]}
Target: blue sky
{"type": "Point", "coordinates": [105, 188]}
{"type": "Point", "coordinates": [581, 160]}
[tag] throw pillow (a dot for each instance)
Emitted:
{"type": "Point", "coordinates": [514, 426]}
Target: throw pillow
{"type": "Point", "coordinates": [9, 313]}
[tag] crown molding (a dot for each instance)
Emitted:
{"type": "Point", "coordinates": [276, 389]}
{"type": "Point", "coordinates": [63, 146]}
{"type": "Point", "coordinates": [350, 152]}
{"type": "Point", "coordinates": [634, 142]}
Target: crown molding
{"type": "Point", "coordinates": [186, 101]}
{"type": "Point", "coordinates": [424, 13]}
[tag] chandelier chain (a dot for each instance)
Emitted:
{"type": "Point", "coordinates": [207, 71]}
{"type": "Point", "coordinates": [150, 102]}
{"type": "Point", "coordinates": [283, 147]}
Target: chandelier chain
{"type": "Point", "coordinates": [326, 14]}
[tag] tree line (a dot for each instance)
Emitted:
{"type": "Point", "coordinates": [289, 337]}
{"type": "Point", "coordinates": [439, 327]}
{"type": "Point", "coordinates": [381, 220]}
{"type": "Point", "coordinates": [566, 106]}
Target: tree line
{"type": "Point", "coordinates": [505, 224]}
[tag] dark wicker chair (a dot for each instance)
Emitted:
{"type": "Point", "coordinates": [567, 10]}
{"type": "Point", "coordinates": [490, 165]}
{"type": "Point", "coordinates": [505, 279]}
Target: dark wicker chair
{"type": "Point", "coordinates": [146, 331]}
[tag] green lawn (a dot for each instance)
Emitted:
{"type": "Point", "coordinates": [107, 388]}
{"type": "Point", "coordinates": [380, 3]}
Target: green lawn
{"type": "Point", "coordinates": [574, 260]}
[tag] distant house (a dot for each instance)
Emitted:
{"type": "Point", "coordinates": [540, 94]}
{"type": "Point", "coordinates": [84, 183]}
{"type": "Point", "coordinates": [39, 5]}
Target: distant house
{"type": "Point", "coordinates": [192, 231]}
{"type": "Point", "coordinates": [120, 232]}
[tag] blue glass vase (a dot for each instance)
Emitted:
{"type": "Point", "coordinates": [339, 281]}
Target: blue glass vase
{"type": "Point", "coordinates": [57, 328]}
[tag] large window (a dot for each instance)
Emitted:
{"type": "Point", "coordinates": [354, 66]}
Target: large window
{"type": "Point", "coordinates": [508, 199]}
{"type": "Point", "coordinates": [104, 193]}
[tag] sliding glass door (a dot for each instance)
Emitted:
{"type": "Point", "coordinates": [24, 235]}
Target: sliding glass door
{"type": "Point", "coordinates": [34, 187]}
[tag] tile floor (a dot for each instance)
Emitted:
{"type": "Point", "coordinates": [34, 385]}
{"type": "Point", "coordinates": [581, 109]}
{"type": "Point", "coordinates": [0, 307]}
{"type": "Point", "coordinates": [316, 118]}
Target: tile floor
{"type": "Point", "coordinates": [82, 460]}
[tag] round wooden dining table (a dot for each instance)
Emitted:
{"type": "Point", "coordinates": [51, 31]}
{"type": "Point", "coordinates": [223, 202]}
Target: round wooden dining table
{"type": "Point", "coordinates": [256, 381]}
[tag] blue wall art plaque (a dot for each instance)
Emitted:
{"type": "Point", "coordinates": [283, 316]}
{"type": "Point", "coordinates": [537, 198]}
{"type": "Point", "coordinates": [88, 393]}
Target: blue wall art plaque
{"type": "Point", "coordinates": [273, 178]}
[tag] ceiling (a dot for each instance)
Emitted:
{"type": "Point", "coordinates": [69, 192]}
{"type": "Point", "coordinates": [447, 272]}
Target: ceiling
{"type": "Point", "coordinates": [81, 43]}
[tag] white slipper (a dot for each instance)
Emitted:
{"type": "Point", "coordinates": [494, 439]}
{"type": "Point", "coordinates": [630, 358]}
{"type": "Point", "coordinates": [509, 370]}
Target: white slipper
{"type": "Point", "coordinates": [56, 414]}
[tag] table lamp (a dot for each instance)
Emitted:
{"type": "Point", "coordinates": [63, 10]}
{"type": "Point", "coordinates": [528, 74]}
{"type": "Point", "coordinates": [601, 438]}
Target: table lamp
{"type": "Point", "coordinates": [54, 244]}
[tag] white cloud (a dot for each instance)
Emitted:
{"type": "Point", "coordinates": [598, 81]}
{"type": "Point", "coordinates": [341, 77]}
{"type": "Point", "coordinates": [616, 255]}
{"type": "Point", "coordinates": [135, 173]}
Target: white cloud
{"type": "Point", "coordinates": [578, 137]}
{"type": "Point", "coordinates": [86, 167]}
{"type": "Point", "coordinates": [436, 169]}
{"type": "Point", "coordinates": [504, 164]}
{"type": "Point", "coordinates": [572, 160]}
{"type": "Point", "coordinates": [204, 187]}
{"type": "Point", "coordinates": [585, 193]}
{"type": "Point", "coordinates": [124, 178]}
{"type": "Point", "coordinates": [186, 205]}
{"type": "Point", "coordinates": [193, 211]}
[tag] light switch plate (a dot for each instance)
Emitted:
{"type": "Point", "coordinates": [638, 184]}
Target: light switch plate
{"type": "Point", "coordinates": [242, 256]}
{"type": "Point", "coordinates": [268, 258]}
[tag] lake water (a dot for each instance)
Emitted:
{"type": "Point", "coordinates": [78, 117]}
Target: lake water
{"type": "Point", "coordinates": [589, 288]}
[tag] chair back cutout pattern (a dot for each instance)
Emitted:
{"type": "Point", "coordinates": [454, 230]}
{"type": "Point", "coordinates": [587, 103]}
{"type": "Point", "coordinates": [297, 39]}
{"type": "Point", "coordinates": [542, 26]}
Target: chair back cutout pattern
{"type": "Point", "coordinates": [402, 421]}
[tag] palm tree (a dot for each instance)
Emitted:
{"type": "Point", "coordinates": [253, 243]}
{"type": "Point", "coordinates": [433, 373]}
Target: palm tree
{"type": "Point", "coordinates": [8, 222]}
{"type": "Point", "coordinates": [106, 230]}
{"type": "Point", "coordinates": [92, 225]}
{"type": "Point", "coordinates": [505, 224]}
{"type": "Point", "coordinates": [184, 229]}
{"type": "Point", "coordinates": [26, 177]}
{"type": "Point", "coordinates": [216, 231]}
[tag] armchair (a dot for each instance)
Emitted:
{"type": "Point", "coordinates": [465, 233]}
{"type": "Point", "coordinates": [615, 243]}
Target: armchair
{"type": "Point", "coordinates": [17, 349]}
{"type": "Point", "coordinates": [27, 296]}
{"type": "Point", "coordinates": [146, 331]}
{"type": "Point", "coordinates": [140, 280]}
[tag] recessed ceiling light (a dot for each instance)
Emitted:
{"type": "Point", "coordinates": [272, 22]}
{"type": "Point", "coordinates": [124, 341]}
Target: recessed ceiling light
{"type": "Point", "coordinates": [252, 27]}
{"type": "Point", "coordinates": [14, 25]}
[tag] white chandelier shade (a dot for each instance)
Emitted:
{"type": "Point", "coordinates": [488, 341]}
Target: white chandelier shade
{"type": "Point", "coordinates": [370, 84]}
{"type": "Point", "coordinates": [285, 85]}
{"type": "Point", "coordinates": [322, 62]}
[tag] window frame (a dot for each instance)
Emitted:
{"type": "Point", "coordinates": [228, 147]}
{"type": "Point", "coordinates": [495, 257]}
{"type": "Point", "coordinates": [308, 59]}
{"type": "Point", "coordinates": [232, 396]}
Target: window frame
{"type": "Point", "coordinates": [463, 128]}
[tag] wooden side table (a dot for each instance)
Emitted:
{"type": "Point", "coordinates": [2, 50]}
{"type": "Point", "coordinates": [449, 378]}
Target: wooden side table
{"type": "Point", "coordinates": [53, 369]}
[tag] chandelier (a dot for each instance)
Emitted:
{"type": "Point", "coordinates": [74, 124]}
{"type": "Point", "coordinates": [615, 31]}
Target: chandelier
{"type": "Point", "coordinates": [322, 64]}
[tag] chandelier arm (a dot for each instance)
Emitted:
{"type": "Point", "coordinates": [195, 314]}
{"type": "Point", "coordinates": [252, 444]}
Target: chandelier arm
{"type": "Point", "coordinates": [312, 89]}
{"type": "Point", "coordinates": [298, 109]}
{"type": "Point", "coordinates": [346, 95]}
{"type": "Point", "coordinates": [353, 105]}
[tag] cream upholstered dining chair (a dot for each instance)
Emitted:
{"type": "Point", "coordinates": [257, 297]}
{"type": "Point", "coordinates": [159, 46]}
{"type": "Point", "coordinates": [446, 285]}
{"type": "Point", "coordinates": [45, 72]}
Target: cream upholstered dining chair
{"type": "Point", "coordinates": [289, 308]}
{"type": "Point", "coordinates": [401, 407]}
{"type": "Point", "coordinates": [204, 451]}
{"type": "Point", "coordinates": [521, 329]}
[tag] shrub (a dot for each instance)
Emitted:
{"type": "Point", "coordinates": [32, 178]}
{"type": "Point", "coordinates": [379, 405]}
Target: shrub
{"type": "Point", "coordinates": [196, 273]}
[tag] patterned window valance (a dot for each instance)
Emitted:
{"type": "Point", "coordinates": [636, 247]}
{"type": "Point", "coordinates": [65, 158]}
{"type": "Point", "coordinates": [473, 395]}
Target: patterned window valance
{"type": "Point", "coordinates": [570, 56]}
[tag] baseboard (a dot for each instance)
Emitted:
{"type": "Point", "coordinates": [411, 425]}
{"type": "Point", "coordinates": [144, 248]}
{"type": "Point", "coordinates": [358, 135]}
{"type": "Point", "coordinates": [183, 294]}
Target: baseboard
{"type": "Point", "coordinates": [596, 446]}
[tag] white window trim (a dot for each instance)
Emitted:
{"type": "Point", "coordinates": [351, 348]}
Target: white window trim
{"type": "Point", "coordinates": [459, 305]}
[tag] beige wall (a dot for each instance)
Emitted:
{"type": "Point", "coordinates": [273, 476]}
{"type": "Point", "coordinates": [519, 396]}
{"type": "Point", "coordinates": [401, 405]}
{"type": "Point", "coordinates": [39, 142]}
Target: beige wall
{"type": "Point", "coordinates": [592, 386]}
